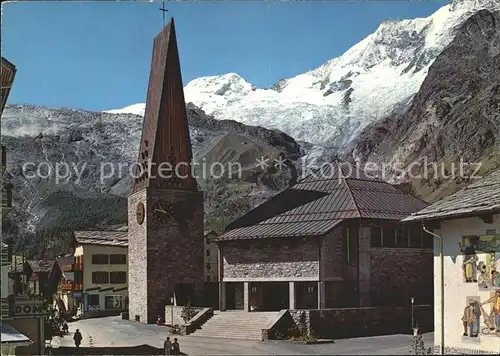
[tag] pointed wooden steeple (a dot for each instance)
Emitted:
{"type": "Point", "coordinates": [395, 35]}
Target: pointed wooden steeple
{"type": "Point", "coordinates": [165, 141]}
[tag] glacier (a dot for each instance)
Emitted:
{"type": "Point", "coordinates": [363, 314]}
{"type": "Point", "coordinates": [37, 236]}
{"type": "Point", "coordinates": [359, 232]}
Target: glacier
{"type": "Point", "coordinates": [329, 105]}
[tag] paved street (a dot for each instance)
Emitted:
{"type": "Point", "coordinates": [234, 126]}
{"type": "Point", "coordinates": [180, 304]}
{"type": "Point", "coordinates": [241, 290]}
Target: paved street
{"type": "Point", "coordinates": [114, 332]}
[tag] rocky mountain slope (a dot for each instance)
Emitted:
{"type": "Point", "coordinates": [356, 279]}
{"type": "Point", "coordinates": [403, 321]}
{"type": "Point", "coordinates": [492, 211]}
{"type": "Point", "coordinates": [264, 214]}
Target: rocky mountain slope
{"type": "Point", "coordinates": [331, 104]}
{"type": "Point", "coordinates": [455, 116]}
{"type": "Point", "coordinates": [92, 144]}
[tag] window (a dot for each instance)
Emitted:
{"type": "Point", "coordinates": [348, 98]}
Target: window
{"type": "Point", "coordinates": [428, 241]}
{"type": "Point", "coordinates": [100, 259]}
{"type": "Point", "coordinates": [347, 246]}
{"type": "Point", "coordinates": [376, 236]}
{"type": "Point", "coordinates": [207, 265]}
{"type": "Point", "coordinates": [415, 236]}
{"type": "Point", "coordinates": [94, 300]}
{"type": "Point", "coordinates": [351, 246]}
{"type": "Point", "coordinates": [117, 259]}
{"type": "Point", "coordinates": [401, 237]}
{"type": "Point", "coordinates": [113, 302]}
{"type": "Point", "coordinates": [310, 290]}
{"type": "Point", "coordinates": [118, 277]}
{"type": "Point", "coordinates": [100, 277]}
{"type": "Point", "coordinates": [208, 253]}
{"type": "Point", "coordinates": [388, 237]}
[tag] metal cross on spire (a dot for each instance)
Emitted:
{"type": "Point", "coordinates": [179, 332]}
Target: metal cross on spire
{"type": "Point", "coordinates": [163, 9]}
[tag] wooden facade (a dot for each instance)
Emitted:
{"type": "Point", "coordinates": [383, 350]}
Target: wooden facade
{"type": "Point", "coordinates": [165, 136]}
{"type": "Point", "coordinates": [8, 74]}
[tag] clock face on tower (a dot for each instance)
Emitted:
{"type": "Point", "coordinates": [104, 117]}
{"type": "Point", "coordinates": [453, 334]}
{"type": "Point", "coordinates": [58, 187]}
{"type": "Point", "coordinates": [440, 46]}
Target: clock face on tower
{"type": "Point", "coordinates": [140, 213]}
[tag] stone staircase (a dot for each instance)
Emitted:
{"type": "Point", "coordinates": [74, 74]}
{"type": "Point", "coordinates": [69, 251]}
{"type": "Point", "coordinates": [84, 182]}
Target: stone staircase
{"type": "Point", "coordinates": [236, 325]}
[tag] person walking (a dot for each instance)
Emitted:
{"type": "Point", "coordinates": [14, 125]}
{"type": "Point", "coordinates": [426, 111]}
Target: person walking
{"type": "Point", "coordinates": [167, 346]}
{"type": "Point", "coordinates": [78, 338]}
{"type": "Point", "coordinates": [176, 350]}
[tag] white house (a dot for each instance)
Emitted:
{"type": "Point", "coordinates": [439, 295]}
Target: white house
{"type": "Point", "coordinates": [468, 223]}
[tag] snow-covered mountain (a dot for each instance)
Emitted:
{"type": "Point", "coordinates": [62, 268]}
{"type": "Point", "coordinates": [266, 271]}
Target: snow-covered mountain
{"type": "Point", "coordinates": [332, 103]}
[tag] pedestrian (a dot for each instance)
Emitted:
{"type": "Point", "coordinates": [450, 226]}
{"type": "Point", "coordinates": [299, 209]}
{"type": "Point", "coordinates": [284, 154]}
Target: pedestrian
{"type": "Point", "coordinates": [78, 338]}
{"type": "Point", "coordinates": [176, 350]}
{"type": "Point", "coordinates": [65, 327]}
{"type": "Point", "coordinates": [167, 346]}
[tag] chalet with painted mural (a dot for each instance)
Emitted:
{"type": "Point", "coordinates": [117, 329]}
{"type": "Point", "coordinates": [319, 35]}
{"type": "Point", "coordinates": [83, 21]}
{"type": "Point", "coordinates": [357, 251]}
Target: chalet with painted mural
{"type": "Point", "coordinates": [468, 222]}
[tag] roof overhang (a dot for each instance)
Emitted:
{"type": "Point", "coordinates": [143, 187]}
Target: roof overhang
{"type": "Point", "coordinates": [452, 215]}
{"type": "Point", "coordinates": [12, 337]}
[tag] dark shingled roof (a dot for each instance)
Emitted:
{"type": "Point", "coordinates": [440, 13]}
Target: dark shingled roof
{"type": "Point", "coordinates": [67, 260]}
{"type": "Point", "coordinates": [321, 201]}
{"type": "Point", "coordinates": [477, 198]}
{"type": "Point", "coordinates": [109, 238]}
{"type": "Point", "coordinates": [41, 265]}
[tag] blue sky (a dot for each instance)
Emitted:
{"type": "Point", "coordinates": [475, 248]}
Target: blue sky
{"type": "Point", "coordinates": [96, 55]}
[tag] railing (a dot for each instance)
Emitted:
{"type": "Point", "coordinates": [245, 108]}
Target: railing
{"type": "Point", "coordinates": [71, 286]}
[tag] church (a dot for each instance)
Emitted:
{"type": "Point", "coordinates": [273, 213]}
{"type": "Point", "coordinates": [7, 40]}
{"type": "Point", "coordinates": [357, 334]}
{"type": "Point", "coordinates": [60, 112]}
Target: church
{"type": "Point", "coordinates": [165, 211]}
{"type": "Point", "coordinates": [333, 240]}
{"type": "Point", "coordinates": [325, 243]}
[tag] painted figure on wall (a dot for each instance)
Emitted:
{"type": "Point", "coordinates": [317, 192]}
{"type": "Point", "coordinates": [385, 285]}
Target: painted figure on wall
{"type": "Point", "coordinates": [469, 266]}
{"type": "Point", "coordinates": [492, 319]}
{"type": "Point", "coordinates": [471, 318]}
{"type": "Point", "coordinates": [484, 279]}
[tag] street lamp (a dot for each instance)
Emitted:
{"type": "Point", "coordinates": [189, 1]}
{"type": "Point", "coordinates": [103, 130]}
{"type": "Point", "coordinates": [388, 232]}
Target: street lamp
{"type": "Point", "coordinates": [441, 256]}
{"type": "Point", "coordinates": [412, 311]}
{"type": "Point", "coordinates": [172, 311]}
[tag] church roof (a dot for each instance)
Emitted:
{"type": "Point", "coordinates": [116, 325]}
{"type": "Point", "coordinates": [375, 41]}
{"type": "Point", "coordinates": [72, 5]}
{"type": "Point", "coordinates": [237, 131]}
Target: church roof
{"type": "Point", "coordinates": [475, 199]}
{"type": "Point", "coordinates": [165, 140]}
{"type": "Point", "coordinates": [108, 238]}
{"type": "Point", "coordinates": [321, 201]}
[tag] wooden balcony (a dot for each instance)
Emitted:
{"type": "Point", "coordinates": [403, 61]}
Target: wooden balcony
{"type": "Point", "coordinates": [71, 286]}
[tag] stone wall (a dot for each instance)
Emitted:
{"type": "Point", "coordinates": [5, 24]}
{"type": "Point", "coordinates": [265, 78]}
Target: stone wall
{"type": "Point", "coordinates": [164, 252]}
{"type": "Point", "coordinates": [175, 249]}
{"type": "Point", "coordinates": [271, 259]}
{"type": "Point", "coordinates": [370, 321]}
{"type": "Point", "coordinates": [175, 312]}
{"type": "Point", "coordinates": [399, 274]}
{"type": "Point", "coordinates": [137, 254]}
{"type": "Point", "coordinates": [332, 254]}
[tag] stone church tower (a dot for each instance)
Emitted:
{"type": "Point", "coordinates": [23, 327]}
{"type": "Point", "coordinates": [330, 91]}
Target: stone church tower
{"type": "Point", "coordinates": [165, 209]}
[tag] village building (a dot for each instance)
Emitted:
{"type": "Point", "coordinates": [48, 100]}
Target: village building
{"type": "Point", "coordinates": [100, 272]}
{"type": "Point", "coordinates": [165, 209]}
{"type": "Point", "coordinates": [23, 315]}
{"type": "Point", "coordinates": [65, 301]}
{"type": "Point", "coordinates": [333, 240]}
{"type": "Point", "coordinates": [468, 224]}
{"type": "Point", "coordinates": [11, 337]}
{"type": "Point", "coordinates": [39, 282]}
